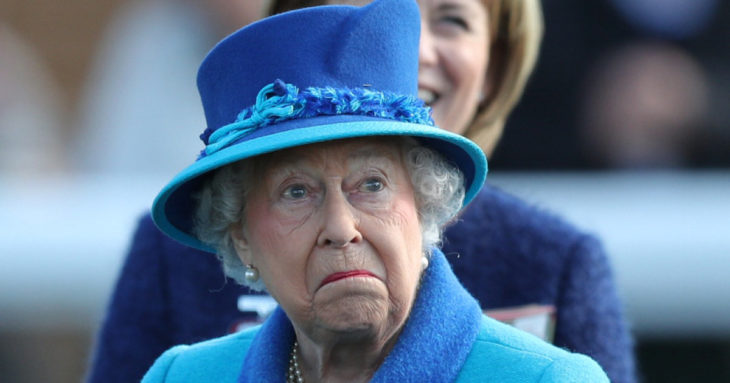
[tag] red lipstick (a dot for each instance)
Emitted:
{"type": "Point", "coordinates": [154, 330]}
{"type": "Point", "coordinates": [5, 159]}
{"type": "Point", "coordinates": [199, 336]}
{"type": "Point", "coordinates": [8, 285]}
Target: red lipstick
{"type": "Point", "coordinates": [346, 274]}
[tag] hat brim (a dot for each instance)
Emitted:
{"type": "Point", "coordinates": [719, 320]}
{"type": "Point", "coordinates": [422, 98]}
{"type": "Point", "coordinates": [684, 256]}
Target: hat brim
{"type": "Point", "coordinates": [174, 206]}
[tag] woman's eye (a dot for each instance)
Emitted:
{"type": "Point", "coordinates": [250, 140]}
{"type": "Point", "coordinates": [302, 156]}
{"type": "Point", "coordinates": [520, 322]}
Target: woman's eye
{"type": "Point", "coordinates": [372, 185]}
{"type": "Point", "coordinates": [457, 21]}
{"type": "Point", "coordinates": [295, 192]}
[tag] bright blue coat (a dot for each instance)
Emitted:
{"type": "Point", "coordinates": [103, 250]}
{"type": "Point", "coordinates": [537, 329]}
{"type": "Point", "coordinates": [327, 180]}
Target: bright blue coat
{"type": "Point", "coordinates": [445, 339]}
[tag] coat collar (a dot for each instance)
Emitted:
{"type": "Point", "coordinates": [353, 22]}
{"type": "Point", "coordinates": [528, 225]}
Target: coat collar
{"type": "Point", "coordinates": [443, 324]}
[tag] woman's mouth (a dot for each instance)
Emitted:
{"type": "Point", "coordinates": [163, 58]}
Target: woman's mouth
{"type": "Point", "coordinates": [346, 274]}
{"type": "Point", "coordinates": [428, 96]}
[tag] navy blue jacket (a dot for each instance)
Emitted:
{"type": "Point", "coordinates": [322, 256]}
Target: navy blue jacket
{"type": "Point", "coordinates": [509, 254]}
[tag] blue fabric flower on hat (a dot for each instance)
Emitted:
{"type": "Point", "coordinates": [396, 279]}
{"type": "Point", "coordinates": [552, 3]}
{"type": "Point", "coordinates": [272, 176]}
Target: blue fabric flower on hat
{"type": "Point", "coordinates": [279, 101]}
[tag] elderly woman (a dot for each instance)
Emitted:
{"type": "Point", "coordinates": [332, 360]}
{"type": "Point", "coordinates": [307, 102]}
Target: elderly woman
{"type": "Point", "coordinates": [330, 191]}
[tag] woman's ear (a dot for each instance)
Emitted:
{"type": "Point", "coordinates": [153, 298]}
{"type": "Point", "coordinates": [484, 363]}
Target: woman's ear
{"type": "Point", "coordinates": [240, 243]}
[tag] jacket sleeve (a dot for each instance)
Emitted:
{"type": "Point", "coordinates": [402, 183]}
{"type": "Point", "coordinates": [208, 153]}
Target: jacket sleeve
{"type": "Point", "coordinates": [136, 328]}
{"type": "Point", "coordinates": [590, 318]}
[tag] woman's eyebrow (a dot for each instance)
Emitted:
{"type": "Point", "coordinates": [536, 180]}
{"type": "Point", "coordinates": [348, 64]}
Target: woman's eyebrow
{"type": "Point", "coordinates": [449, 6]}
{"type": "Point", "coordinates": [455, 6]}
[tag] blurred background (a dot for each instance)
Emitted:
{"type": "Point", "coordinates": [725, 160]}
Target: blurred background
{"type": "Point", "coordinates": [624, 129]}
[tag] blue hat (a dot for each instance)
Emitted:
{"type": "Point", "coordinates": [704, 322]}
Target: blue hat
{"type": "Point", "coordinates": [311, 75]}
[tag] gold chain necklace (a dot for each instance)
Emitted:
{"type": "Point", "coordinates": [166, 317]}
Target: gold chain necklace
{"type": "Point", "coordinates": [294, 375]}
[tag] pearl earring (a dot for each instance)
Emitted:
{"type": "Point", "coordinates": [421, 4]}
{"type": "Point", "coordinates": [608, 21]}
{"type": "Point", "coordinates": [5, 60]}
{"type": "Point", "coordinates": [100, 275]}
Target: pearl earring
{"type": "Point", "coordinates": [251, 275]}
{"type": "Point", "coordinates": [424, 262]}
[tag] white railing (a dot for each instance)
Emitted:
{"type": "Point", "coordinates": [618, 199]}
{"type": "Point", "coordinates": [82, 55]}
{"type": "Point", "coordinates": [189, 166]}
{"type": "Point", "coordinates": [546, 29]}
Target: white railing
{"type": "Point", "coordinates": [668, 235]}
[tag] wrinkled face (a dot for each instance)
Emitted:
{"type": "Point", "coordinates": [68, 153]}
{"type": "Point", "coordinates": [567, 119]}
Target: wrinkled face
{"type": "Point", "coordinates": [454, 54]}
{"type": "Point", "coordinates": [453, 60]}
{"type": "Point", "coordinates": [333, 230]}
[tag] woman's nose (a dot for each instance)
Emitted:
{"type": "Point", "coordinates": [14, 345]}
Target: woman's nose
{"type": "Point", "coordinates": [339, 223]}
{"type": "Point", "coordinates": [427, 46]}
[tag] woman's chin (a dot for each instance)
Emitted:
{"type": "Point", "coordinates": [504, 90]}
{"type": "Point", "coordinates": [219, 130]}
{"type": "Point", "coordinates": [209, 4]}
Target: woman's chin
{"type": "Point", "coordinates": [353, 304]}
